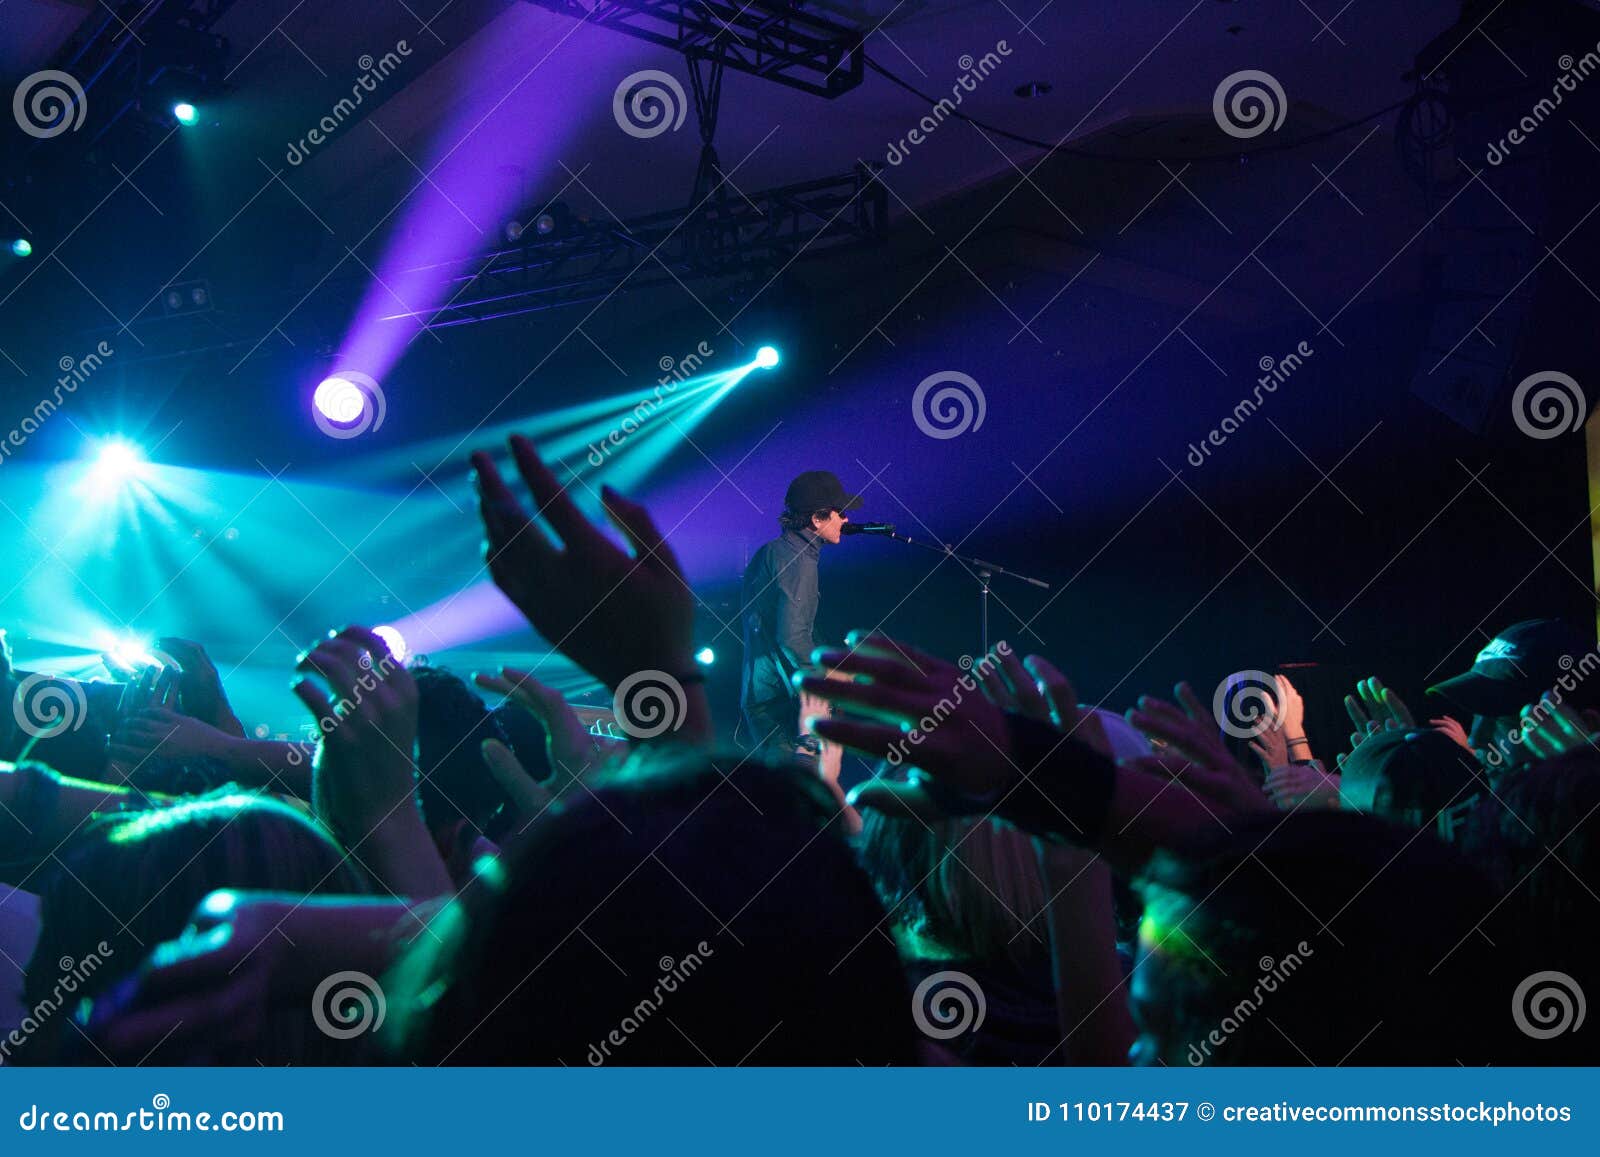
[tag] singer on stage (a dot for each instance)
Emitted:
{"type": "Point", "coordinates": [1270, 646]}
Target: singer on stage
{"type": "Point", "coordinates": [780, 598]}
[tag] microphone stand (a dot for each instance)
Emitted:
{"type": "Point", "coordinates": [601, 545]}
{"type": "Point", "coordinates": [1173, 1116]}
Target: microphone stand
{"type": "Point", "coordinates": [984, 570]}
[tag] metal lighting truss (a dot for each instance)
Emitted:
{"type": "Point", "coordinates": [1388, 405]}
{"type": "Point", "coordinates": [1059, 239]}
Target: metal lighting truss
{"type": "Point", "coordinates": [736, 237]}
{"type": "Point", "coordinates": [723, 234]}
{"type": "Point", "coordinates": [768, 38]}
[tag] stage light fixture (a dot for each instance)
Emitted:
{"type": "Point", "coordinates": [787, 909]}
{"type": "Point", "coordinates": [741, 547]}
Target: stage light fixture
{"type": "Point", "coordinates": [22, 247]}
{"type": "Point", "coordinates": [767, 357]}
{"type": "Point", "coordinates": [705, 656]}
{"type": "Point", "coordinates": [547, 223]}
{"type": "Point", "coordinates": [394, 640]}
{"type": "Point", "coordinates": [185, 113]}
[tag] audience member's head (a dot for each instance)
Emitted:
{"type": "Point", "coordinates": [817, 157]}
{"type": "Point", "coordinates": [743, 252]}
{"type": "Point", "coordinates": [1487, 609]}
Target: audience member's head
{"type": "Point", "coordinates": [1419, 779]}
{"type": "Point", "coordinates": [1316, 938]}
{"type": "Point", "coordinates": [690, 909]}
{"type": "Point", "coordinates": [526, 737]}
{"type": "Point", "coordinates": [459, 795]}
{"type": "Point", "coordinates": [963, 888]}
{"type": "Point", "coordinates": [131, 880]}
{"type": "Point", "coordinates": [1516, 668]}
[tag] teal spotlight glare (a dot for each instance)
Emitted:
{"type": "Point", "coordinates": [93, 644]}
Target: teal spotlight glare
{"type": "Point", "coordinates": [767, 357]}
{"type": "Point", "coordinates": [22, 247]}
{"type": "Point", "coordinates": [186, 113]}
{"type": "Point", "coordinates": [116, 462]}
{"type": "Point", "coordinates": [705, 656]}
{"type": "Point", "coordinates": [125, 650]}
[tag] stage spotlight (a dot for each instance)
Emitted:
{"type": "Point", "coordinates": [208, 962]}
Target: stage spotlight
{"type": "Point", "coordinates": [394, 640]}
{"type": "Point", "coordinates": [22, 247]}
{"type": "Point", "coordinates": [125, 650]}
{"type": "Point", "coordinates": [348, 404]}
{"type": "Point", "coordinates": [185, 113]}
{"type": "Point", "coordinates": [115, 463]}
{"type": "Point", "coordinates": [332, 398]}
{"type": "Point", "coordinates": [705, 656]}
{"type": "Point", "coordinates": [767, 357]}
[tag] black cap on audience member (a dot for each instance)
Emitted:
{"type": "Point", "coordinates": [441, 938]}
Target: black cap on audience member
{"type": "Point", "coordinates": [1518, 666]}
{"type": "Point", "coordinates": [1408, 777]}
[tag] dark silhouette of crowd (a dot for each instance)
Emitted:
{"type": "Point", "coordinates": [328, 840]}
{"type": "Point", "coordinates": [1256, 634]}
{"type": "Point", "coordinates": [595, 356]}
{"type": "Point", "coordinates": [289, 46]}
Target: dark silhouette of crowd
{"type": "Point", "coordinates": [460, 871]}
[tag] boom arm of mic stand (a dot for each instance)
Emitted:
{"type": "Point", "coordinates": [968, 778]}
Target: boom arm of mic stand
{"type": "Point", "coordinates": [977, 564]}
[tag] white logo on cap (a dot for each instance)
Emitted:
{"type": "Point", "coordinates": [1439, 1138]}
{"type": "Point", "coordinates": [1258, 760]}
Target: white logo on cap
{"type": "Point", "coordinates": [1497, 649]}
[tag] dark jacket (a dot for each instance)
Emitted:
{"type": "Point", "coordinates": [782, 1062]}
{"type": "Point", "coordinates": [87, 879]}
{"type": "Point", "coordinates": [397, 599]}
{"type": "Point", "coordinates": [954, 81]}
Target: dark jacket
{"type": "Point", "coordinates": [780, 609]}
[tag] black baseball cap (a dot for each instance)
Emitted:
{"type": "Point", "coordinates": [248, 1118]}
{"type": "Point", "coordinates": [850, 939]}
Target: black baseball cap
{"type": "Point", "coordinates": [818, 490]}
{"type": "Point", "coordinates": [1518, 666]}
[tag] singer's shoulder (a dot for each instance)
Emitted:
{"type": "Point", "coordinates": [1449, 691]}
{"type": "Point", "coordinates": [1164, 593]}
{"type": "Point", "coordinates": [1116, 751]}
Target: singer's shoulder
{"type": "Point", "coordinates": [768, 551]}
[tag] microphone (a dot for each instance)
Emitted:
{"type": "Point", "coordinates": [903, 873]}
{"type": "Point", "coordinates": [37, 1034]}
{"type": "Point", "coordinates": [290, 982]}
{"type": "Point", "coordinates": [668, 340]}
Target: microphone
{"type": "Point", "coordinates": [868, 528]}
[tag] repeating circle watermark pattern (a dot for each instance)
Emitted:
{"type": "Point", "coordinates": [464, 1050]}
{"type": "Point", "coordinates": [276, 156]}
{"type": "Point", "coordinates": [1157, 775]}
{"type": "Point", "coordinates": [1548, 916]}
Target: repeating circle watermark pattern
{"type": "Point", "coordinates": [650, 703]}
{"type": "Point", "coordinates": [1548, 404]}
{"type": "Point", "coordinates": [49, 103]}
{"type": "Point", "coordinates": [1248, 103]}
{"type": "Point", "coordinates": [45, 707]}
{"type": "Point", "coordinates": [1244, 704]}
{"type": "Point", "coordinates": [349, 404]}
{"type": "Point", "coordinates": [1548, 1004]}
{"type": "Point", "coordinates": [347, 1004]}
{"type": "Point", "coordinates": [948, 1004]}
{"type": "Point", "coordinates": [648, 103]}
{"type": "Point", "coordinates": [948, 404]}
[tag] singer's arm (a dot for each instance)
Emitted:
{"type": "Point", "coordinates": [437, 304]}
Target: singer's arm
{"type": "Point", "coordinates": [798, 595]}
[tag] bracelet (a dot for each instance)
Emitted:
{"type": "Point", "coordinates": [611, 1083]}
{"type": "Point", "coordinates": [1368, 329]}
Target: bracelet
{"type": "Point", "coordinates": [1299, 739]}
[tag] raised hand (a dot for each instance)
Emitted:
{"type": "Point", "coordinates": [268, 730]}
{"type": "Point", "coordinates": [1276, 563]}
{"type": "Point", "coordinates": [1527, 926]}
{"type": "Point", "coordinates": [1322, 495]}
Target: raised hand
{"type": "Point", "coordinates": [200, 692]}
{"type": "Point", "coordinates": [155, 690]}
{"type": "Point", "coordinates": [1194, 754]}
{"type": "Point", "coordinates": [364, 778]}
{"type": "Point", "coordinates": [967, 754]}
{"type": "Point", "coordinates": [1551, 727]}
{"type": "Point", "coordinates": [1452, 728]}
{"type": "Point", "coordinates": [1291, 708]}
{"type": "Point", "coordinates": [970, 758]}
{"type": "Point", "coordinates": [574, 752]}
{"type": "Point", "coordinates": [1375, 703]}
{"type": "Point", "coordinates": [157, 687]}
{"type": "Point", "coordinates": [1271, 745]}
{"type": "Point", "coordinates": [612, 613]}
{"type": "Point", "coordinates": [528, 796]}
{"type": "Point", "coordinates": [1374, 708]}
{"type": "Point", "coordinates": [1061, 703]}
